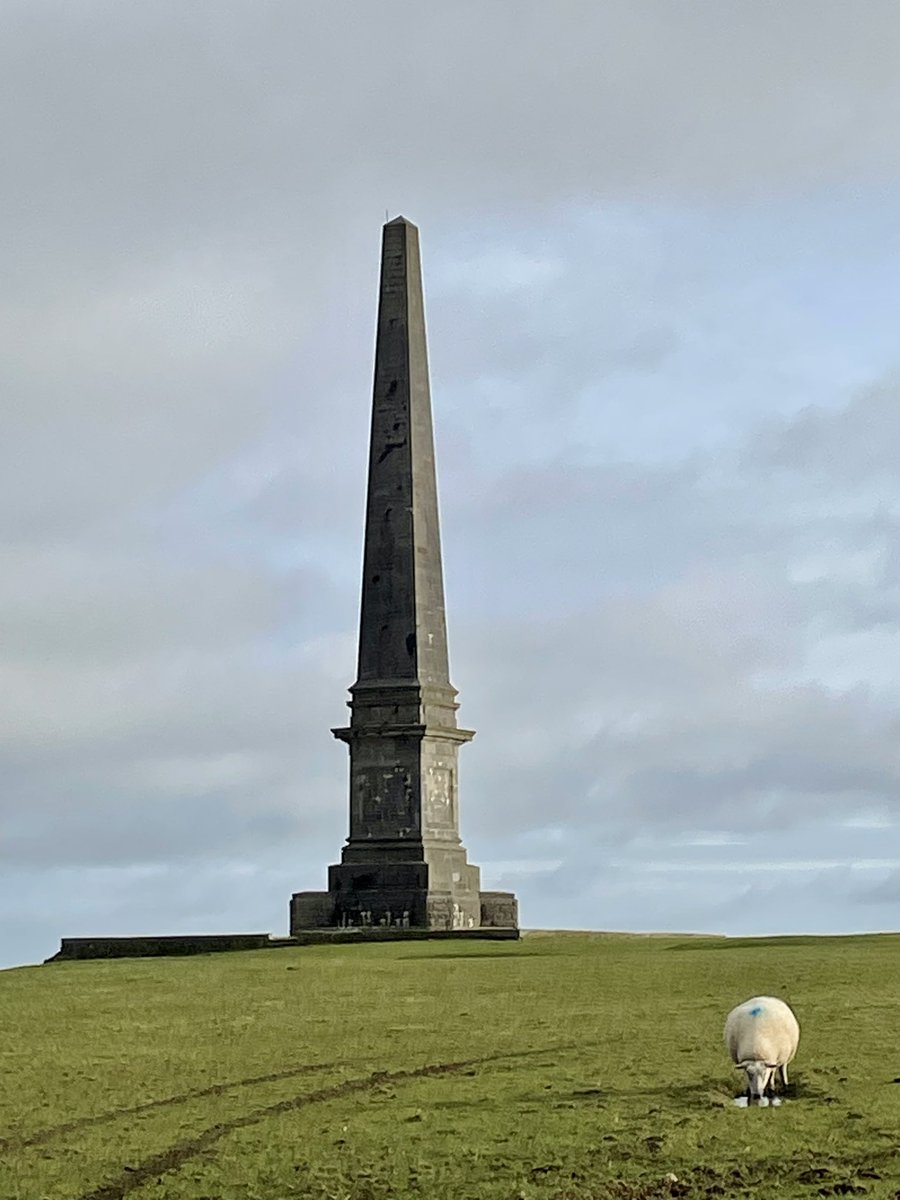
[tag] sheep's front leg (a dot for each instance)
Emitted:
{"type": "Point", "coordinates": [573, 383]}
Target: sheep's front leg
{"type": "Point", "coordinates": [783, 1070]}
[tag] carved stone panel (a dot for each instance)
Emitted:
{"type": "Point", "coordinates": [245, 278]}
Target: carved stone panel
{"type": "Point", "coordinates": [384, 800]}
{"type": "Point", "coordinates": [439, 795]}
{"type": "Point", "coordinates": [439, 799]}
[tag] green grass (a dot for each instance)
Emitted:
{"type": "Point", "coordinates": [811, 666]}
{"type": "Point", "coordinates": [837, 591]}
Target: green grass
{"type": "Point", "coordinates": [562, 1067]}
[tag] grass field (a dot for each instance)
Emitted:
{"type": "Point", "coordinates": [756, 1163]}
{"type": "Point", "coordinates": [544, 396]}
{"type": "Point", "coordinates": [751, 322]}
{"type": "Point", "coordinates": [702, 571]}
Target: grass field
{"type": "Point", "coordinates": [562, 1066]}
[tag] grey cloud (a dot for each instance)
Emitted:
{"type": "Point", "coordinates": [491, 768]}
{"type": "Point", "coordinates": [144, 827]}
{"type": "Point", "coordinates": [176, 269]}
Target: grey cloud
{"type": "Point", "coordinates": [685, 699]}
{"type": "Point", "coordinates": [192, 897]}
{"type": "Point", "coordinates": [186, 188]}
{"type": "Point", "coordinates": [885, 892]}
{"type": "Point", "coordinates": [850, 447]}
{"type": "Point", "coordinates": [651, 883]}
{"type": "Point", "coordinates": [604, 320]}
{"type": "Point", "coordinates": [76, 603]}
{"type": "Point", "coordinates": [188, 311]}
{"type": "Point", "coordinates": [205, 115]}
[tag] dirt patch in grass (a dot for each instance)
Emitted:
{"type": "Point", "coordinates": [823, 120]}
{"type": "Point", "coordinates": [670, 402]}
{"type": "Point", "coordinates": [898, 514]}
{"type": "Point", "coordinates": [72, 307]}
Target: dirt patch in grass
{"type": "Point", "coordinates": [40, 1136]}
{"type": "Point", "coordinates": [136, 1175]}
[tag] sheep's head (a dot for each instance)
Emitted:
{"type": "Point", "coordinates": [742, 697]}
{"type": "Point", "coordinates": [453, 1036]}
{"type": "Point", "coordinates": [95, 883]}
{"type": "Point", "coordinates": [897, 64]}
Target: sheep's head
{"type": "Point", "coordinates": [758, 1075]}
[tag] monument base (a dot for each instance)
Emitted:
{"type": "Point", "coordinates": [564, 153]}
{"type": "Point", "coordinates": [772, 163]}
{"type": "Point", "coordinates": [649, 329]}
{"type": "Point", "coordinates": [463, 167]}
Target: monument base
{"type": "Point", "coordinates": [357, 935]}
{"type": "Point", "coordinates": [401, 909]}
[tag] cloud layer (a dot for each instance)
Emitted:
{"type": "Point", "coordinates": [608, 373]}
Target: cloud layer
{"type": "Point", "coordinates": [660, 265]}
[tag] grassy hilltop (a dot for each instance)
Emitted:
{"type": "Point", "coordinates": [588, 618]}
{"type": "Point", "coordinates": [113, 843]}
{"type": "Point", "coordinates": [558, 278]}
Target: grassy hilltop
{"type": "Point", "coordinates": [573, 1067]}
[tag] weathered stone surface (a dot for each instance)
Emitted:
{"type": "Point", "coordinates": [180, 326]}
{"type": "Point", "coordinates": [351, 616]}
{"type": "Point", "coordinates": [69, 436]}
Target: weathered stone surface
{"type": "Point", "coordinates": [312, 910]}
{"type": "Point", "coordinates": [499, 910]}
{"type": "Point", "coordinates": [176, 945]}
{"type": "Point", "coordinates": [152, 947]}
{"type": "Point", "coordinates": [349, 935]}
{"type": "Point", "coordinates": [404, 865]}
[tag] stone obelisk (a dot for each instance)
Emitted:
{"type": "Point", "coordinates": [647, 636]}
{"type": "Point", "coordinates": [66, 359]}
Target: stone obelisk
{"type": "Point", "coordinates": [404, 865]}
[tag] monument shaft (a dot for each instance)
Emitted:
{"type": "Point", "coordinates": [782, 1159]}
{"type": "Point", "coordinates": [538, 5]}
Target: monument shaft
{"type": "Point", "coordinates": [404, 863]}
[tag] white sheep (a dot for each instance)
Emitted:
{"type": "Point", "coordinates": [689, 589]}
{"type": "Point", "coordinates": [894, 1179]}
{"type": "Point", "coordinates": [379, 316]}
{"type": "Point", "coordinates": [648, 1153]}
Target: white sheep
{"type": "Point", "coordinates": [762, 1035]}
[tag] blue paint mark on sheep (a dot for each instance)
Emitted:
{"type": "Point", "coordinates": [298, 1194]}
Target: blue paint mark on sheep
{"type": "Point", "coordinates": [756, 1010]}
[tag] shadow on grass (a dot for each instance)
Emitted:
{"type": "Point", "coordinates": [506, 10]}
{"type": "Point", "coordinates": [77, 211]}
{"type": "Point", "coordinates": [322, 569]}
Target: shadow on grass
{"type": "Point", "coordinates": [512, 953]}
{"type": "Point", "coordinates": [698, 1093]}
{"type": "Point", "coordinates": [868, 940]}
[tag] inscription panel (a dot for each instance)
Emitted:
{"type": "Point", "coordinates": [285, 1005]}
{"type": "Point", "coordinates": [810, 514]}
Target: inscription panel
{"type": "Point", "coordinates": [384, 801]}
{"type": "Point", "coordinates": [440, 798]}
{"type": "Point", "coordinates": [439, 788]}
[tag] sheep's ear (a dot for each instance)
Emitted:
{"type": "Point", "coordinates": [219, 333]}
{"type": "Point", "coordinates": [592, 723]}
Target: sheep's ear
{"type": "Point", "coordinates": [741, 1065]}
{"type": "Point", "coordinates": [772, 1066]}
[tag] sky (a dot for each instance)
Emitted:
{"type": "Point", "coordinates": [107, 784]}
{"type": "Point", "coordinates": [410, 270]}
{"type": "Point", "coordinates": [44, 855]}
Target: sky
{"type": "Point", "coordinates": [662, 270]}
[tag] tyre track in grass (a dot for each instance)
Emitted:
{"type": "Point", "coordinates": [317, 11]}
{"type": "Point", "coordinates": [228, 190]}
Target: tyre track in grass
{"type": "Point", "coordinates": [39, 1136]}
{"type": "Point", "coordinates": [174, 1157]}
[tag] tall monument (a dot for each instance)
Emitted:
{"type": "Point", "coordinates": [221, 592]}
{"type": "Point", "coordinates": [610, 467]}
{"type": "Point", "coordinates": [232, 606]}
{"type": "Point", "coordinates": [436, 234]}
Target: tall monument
{"type": "Point", "coordinates": [404, 863]}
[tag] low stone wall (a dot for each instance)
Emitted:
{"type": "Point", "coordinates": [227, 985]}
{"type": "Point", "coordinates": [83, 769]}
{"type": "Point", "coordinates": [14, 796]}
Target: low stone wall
{"type": "Point", "coordinates": [155, 947]}
{"type": "Point", "coordinates": [151, 947]}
